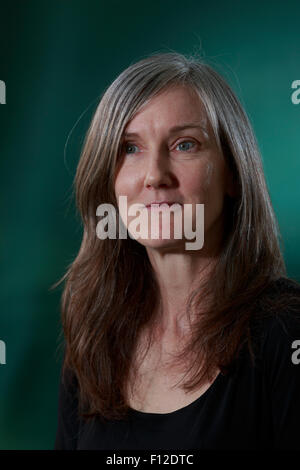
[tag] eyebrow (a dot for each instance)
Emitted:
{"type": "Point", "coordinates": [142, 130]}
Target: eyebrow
{"type": "Point", "coordinates": [189, 125]}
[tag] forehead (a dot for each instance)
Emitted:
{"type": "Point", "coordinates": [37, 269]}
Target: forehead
{"type": "Point", "coordinates": [172, 107]}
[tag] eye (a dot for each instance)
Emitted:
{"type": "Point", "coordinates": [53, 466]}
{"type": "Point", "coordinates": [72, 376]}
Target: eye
{"type": "Point", "coordinates": [185, 143]}
{"type": "Point", "coordinates": [128, 148]}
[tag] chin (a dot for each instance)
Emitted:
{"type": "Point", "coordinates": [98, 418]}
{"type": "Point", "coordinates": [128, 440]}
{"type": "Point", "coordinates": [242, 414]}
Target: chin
{"type": "Point", "coordinates": [162, 244]}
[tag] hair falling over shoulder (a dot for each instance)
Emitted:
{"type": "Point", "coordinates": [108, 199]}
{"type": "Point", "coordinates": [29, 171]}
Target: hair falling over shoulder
{"type": "Point", "coordinates": [110, 293]}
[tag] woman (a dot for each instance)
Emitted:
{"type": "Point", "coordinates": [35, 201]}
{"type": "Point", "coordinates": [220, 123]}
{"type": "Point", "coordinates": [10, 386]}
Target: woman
{"type": "Point", "coordinates": [167, 347]}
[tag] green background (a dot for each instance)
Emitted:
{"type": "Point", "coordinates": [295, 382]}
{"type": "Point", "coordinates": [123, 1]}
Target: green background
{"type": "Point", "coordinates": [56, 59]}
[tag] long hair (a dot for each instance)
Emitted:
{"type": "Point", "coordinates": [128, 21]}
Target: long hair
{"type": "Point", "coordinates": [110, 292]}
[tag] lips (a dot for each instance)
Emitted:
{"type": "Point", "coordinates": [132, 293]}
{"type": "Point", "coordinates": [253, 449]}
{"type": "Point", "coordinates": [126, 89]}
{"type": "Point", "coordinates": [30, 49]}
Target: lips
{"type": "Point", "coordinates": [159, 203]}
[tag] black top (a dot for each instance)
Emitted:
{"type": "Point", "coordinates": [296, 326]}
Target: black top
{"type": "Point", "coordinates": [253, 407]}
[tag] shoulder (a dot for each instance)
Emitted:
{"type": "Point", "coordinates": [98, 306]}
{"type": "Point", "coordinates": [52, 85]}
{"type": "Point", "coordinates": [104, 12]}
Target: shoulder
{"type": "Point", "coordinates": [68, 416]}
{"type": "Point", "coordinates": [280, 332]}
{"type": "Point", "coordinates": [279, 303]}
{"type": "Point", "coordinates": [280, 355]}
{"type": "Point", "coordinates": [68, 392]}
{"type": "Point", "coordinates": [275, 322]}
{"type": "Point", "coordinates": [283, 287]}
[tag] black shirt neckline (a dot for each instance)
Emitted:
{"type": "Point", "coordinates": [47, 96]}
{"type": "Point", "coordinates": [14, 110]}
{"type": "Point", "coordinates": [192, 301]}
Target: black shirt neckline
{"type": "Point", "coordinates": [157, 416]}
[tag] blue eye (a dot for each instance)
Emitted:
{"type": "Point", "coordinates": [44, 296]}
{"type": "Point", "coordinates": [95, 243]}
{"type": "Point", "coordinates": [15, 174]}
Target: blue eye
{"type": "Point", "coordinates": [128, 146]}
{"type": "Point", "coordinates": [186, 142]}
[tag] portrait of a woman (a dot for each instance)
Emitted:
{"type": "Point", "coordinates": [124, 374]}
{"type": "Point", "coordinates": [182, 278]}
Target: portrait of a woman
{"type": "Point", "coordinates": [167, 347]}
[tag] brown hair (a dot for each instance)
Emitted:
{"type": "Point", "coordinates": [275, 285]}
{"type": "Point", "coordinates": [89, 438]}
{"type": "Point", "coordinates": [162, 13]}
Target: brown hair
{"type": "Point", "coordinates": [111, 293]}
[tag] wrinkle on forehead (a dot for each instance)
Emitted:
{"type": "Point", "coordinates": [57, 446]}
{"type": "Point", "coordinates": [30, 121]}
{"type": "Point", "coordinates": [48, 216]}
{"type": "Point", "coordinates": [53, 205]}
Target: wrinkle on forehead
{"type": "Point", "coordinates": [201, 119]}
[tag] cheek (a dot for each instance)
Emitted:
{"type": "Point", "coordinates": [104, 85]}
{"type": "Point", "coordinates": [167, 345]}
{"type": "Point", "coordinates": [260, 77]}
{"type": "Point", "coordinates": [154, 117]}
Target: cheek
{"type": "Point", "coordinates": [208, 177]}
{"type": "Point", "coordinates": [213, 194]}
{"type": "Point", "coordinates": [118, 186]}
{"type": "Point", "coordinates": [214, 184]}
{"type": "Point", "coordinates": [201, 182]}
{"type": "Point", "coordinates": [124, 183]}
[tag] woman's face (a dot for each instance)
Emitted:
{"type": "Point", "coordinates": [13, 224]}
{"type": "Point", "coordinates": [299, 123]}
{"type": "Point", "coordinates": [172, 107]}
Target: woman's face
{"type": "Point", "coordinates": [169, 154]}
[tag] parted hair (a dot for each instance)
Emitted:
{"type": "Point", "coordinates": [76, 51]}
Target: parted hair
{"type": "Point", "coordinates": [110, 291]}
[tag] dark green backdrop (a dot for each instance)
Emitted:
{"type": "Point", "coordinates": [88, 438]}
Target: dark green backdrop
{"type": "Point", "coordinates": [56, 58]}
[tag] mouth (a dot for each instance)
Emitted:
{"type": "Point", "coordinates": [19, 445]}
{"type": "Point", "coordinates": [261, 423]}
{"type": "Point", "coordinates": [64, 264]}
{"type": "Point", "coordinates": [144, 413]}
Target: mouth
{"type": "Point", "coordinates": [157, 204]}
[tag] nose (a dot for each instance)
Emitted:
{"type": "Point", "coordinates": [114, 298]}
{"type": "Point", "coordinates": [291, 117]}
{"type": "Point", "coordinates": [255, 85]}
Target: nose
{"type": "Point", "coordinates": [157, 170]}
